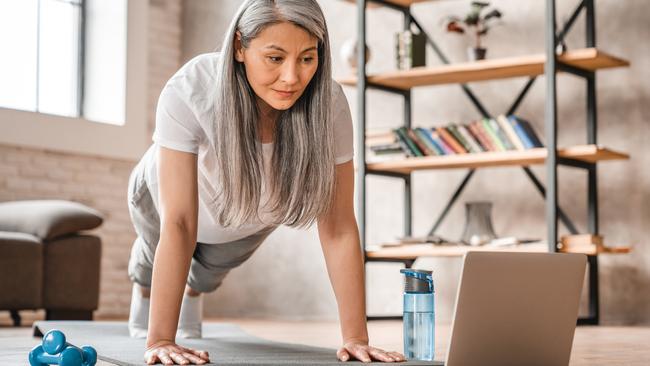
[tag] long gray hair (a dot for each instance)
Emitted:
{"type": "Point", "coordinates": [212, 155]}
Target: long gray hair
{"type": "Point", "coordinates": [303, 180]}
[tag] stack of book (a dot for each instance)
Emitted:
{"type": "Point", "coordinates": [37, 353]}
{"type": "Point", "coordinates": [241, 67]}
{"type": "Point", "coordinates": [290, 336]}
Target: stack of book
{"type": "Point", "coordinates": [410, 50]}
{"type": "Point", "coordinates": [494, 134]}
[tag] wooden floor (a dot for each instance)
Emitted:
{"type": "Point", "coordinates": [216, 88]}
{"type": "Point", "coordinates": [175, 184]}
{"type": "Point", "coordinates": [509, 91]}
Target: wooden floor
{"type": "Point", "coordinates": [602, 345]}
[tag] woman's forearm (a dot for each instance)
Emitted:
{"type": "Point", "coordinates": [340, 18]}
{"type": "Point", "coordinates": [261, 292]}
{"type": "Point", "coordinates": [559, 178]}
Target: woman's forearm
{"type": "Point", "coordinates": [170, 269]}
{"type": "Point", "coordinates": [345, 268]}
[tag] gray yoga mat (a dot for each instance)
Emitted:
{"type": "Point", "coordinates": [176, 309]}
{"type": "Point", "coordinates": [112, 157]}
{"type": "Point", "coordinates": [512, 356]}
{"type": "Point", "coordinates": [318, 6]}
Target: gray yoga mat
{"type": "Point", "coordinates": [227, 344]}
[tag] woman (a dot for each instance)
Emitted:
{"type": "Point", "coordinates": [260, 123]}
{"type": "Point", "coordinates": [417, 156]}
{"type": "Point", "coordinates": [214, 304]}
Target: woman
{"type": "Point", "coordinates": [247, 139]}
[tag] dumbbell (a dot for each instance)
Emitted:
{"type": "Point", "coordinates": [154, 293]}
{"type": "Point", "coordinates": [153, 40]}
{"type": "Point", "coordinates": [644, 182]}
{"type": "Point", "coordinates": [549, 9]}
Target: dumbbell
{"type": "Point", "coordinates": [54, 350]}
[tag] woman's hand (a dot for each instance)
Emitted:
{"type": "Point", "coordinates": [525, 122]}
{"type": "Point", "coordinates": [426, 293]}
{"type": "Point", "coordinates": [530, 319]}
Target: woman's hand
{"type": "Point", "coordinates": [169, 353]}
{"type": "Point", "coordinates": [365, 353]}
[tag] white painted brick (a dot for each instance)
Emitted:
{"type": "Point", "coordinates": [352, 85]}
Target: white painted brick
{"type": "Point", "coordinates": [74, 164]}
{"type": "Point", "coordinates": [72, 188]}
{"type": "Point", "coordinates": [19, 184]}
{"type": "Point", "coordinates": [16, 156]}
{"type": "Point", "coordinates": [29, 171]}
{"type": "Point", "coordinates": [99, 167]}
{"type": "Point", "coordinates": [46, 161]}
{"type": "Point", "coordinates": [8, 170]}
{"type": "Point", "coordinates": [45, 186]}
{"type": "Point", "coordinates": [58, 175]}
{"type": "Point", "coordinates": [86, 177]}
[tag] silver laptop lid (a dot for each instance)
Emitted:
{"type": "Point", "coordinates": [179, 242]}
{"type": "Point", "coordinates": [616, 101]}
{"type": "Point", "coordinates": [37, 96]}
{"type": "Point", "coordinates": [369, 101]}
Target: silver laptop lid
{"type": "Point", "coordinates": [516, 309]}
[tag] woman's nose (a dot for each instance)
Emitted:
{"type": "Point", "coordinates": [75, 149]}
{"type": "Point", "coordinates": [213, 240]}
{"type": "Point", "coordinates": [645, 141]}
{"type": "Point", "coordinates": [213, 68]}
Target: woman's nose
{"type": "Point", "coordinates": [289, 73]}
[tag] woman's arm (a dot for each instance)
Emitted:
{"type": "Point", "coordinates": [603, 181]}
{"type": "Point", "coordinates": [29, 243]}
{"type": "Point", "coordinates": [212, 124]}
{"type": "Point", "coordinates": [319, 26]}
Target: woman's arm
{"type": "Point", "coordinates": [178, 206]}
{"type": "Point", "coordinates": [339, 237]}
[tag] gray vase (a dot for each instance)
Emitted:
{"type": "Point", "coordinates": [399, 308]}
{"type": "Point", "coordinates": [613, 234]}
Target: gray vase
{"type": "Point", "coordinates": [478, 223]}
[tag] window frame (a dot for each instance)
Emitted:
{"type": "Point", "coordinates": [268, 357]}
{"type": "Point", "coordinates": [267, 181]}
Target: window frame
{"type": "Point", "coordinates": [83, 136]}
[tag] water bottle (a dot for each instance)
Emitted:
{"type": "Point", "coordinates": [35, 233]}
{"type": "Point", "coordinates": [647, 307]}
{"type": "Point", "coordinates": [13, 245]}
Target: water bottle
{"type": "Point", "coordinates": [419, 318]}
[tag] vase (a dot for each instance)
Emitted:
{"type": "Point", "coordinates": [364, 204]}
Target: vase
{"type": "Point", "coordinates": [350, 55]}
{"type": "Point", "coordinates": [475, 54]}
{"type": "Point", "coordinates": [478, 223]}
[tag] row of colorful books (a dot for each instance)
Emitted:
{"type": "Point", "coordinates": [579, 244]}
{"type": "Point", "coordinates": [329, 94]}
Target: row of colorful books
{"type": "Point", "coordinates": [489, 134]}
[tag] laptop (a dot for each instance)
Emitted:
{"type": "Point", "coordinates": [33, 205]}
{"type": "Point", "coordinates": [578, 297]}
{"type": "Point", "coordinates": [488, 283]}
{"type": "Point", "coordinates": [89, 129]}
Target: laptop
{"type": "Point", "coordinates": [516, 309]}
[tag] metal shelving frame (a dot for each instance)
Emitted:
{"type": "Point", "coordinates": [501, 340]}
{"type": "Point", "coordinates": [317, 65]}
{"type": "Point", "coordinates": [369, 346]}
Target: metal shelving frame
{"type": "Point", "coordinates": [550, 192]}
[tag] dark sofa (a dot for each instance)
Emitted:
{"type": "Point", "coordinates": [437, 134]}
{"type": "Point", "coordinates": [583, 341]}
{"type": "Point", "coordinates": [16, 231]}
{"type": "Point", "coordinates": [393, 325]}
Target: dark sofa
{"type": "Point", "coordinates": [46, 261]}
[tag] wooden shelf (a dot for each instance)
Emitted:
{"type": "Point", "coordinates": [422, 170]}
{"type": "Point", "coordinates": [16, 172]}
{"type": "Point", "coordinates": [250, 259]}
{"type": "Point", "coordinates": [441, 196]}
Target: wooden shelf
{"type": "Point", "coordinates": [413, 251]}
{"type": "Point", "coordinates": [586, 153]}
{"type": "Point", "coordinates": [404, 3]}
{"type": "Point", "coordinates": [532, 65]}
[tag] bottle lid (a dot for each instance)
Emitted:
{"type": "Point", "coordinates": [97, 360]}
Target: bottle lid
{"type": "Point", "coordinates": [417, 280]}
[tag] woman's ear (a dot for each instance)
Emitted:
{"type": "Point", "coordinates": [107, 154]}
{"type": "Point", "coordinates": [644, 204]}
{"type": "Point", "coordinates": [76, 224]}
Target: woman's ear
{"type": "Point", "coordinates": [239, 52]}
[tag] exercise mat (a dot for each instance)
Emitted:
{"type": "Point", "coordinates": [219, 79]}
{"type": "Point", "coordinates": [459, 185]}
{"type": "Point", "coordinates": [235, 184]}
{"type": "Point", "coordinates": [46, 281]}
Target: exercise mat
{"type": "Point", "coordinates": [226, 343]}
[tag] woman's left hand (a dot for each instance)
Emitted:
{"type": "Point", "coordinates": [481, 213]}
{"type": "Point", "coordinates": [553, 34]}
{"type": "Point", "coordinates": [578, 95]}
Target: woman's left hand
{"type": "Point", "coordinates": [365, 353]}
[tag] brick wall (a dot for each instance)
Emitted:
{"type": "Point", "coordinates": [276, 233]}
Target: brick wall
{"type": "Point", "coordinates": [101, 183]}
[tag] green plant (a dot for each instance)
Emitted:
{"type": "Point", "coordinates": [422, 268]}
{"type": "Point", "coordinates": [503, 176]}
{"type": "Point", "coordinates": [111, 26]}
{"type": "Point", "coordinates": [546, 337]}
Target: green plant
{"type": "Point", "coordinates": [478, 21]}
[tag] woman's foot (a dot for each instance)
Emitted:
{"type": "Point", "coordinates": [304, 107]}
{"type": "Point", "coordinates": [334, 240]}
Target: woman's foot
{"type": "Point", "coordinates": [139, 313]}
{"type": "Point", "coordinates": [189, 321]}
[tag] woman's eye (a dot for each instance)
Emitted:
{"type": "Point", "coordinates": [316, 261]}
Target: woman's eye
{"type": "Point", "coordinates": [275, 59]}
{"type": "Point", "coordinates": [308, 59]}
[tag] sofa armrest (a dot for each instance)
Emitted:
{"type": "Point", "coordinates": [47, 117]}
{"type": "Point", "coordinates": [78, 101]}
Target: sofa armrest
{"type": "Point", "coordinates": [47, 219]}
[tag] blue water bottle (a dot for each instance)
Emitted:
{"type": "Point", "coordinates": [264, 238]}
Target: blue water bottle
{"type": "Point", "coordinates": [419, 317]}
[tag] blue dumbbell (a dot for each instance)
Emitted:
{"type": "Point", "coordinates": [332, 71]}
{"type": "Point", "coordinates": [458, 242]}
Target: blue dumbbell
{"type": "Point", "coordinates": [54, 350]}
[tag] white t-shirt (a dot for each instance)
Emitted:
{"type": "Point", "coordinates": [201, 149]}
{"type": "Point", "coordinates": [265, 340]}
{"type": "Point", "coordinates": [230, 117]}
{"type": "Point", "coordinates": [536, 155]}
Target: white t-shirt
{"type": "Point", "coordinates": [184, 117]}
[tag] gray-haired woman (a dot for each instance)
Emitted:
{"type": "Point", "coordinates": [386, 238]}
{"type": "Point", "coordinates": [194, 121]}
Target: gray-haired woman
{"type": "Point", "coordinates": [246, 139]}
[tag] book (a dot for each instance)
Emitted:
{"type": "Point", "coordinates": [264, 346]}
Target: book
{"type": "Point", "coordinates": [449, 139]}
{"type": "Point", "coordinates": [492, 135]}
{"type": "Point", "coordinates": [426, 137]}
{"type": "Point", "coordinates": [379, 137]}
{"type": "Point", "coordinates": [418, 141]}
{"type": "Point", "coordinates": [453, 130]}
{"type": "Point", "coordinates": [512, 135]}
{"type": "Point", "coordinates": [385, 147]}
{"type": "Point", "coordinates": [407, 151]}
{"type": "Point", "coordinates": [436, 137]}
{"type": "Point", "coordinates": [404, 136]}
{"type": "Point", "coordinates": [583, 243]}
{"type": "Point", "coordinates": [500, 134]}
{"type": "Point", "coordinates": [481, 136]}
{"type": "Point", "coordinates": [520, 133]}
{"type": "Point", "coordinates": [378, 158]}
{"type": "Point", "coordinates": [530, 132]}
{"type": "Point", "coordinates": [473, 143]}
{"type": "Point", "coordinates": [410, 49]}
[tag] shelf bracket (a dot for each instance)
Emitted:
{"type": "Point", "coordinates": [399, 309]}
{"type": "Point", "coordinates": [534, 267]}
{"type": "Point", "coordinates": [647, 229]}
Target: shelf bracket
{"type": "Point", "coordinates": [575, 163]}
{"type": "Point", "coordinates": [521, 96]}
{"type": "Point", "coordinates": [562, 216]}
{"type": "Point", "coordinates": [586, 74]}
{"type": "Point", "coordinates": [567, 26]}
{"type": "Point", "coordinates": [451, 202]}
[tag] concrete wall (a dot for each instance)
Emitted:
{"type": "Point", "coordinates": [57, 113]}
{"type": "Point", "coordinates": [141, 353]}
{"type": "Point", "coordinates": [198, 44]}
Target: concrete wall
{"type": "Point", "coordinates": [287, 276]}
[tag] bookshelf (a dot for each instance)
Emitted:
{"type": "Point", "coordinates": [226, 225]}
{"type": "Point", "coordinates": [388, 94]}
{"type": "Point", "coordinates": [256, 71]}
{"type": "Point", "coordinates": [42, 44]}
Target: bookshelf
{"type": "Point", "coordinates": [413, 251]}
{"type": "Point", "coordinates": [583, 153]}
{"type": "Point", "coordinates": [590, 59]}
{"type": "Point", "coordinates": [583, 63]}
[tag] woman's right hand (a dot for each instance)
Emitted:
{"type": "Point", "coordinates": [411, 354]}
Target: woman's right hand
{"type": "Point", "coordinates": [169, 353]}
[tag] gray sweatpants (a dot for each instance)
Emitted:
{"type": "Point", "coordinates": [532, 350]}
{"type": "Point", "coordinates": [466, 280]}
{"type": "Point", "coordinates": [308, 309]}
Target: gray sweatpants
{"type": "Point", "coordinates": [210, 262]}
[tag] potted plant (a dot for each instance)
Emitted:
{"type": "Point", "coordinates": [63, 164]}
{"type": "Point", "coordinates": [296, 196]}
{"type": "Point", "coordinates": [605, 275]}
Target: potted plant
{"type": "Point", "coordinates": [477, 22]}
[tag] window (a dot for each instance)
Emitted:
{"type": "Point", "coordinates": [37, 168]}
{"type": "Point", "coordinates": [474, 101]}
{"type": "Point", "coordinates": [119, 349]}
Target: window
{"type": "Point", "coordinates": [42, 63]}
{"type": "Point", "coordinates": [115, 46]}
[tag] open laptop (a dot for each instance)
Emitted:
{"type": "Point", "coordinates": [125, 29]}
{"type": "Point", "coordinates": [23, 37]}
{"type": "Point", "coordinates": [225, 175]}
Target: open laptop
{"type": "Point", "coordinates": [516, 309]}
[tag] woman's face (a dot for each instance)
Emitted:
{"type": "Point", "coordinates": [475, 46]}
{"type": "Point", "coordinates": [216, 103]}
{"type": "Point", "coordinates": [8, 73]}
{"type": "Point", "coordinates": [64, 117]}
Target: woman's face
{"type": "Point", "coordinates": [279, 63]}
